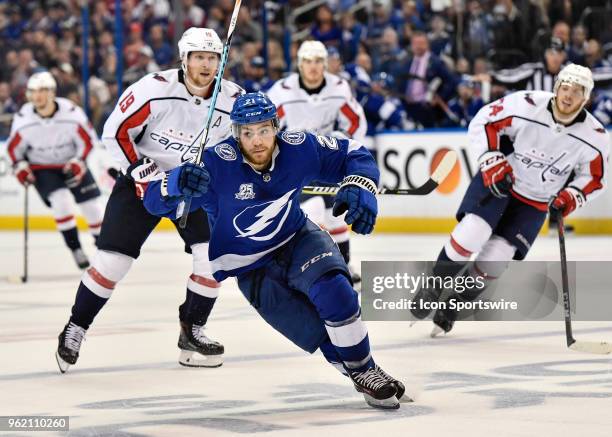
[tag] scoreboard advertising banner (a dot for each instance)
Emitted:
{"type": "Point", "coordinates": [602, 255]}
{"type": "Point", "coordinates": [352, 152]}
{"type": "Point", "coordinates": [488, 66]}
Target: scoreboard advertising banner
{"type": "Point", "coordinates": [405, 160]}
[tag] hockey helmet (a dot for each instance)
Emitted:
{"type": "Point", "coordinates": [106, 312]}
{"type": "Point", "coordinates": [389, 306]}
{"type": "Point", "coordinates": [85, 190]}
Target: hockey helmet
{"type": "Point", "coordinates": [198, 39]}
{"type": "Point", "coordinates": [41, 80]}
{"type": "Point", "coordinates": [576, 75]}
{"type": "Point", "coordinates": [252, 108]}
{"type": "Point", "coordinates": [312, 50]}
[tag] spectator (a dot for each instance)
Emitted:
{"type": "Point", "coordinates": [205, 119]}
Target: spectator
{"type": "Point", "coordinates": [578, 45]}
{"type": "Point", "coordinates": [421, 76]}
{"type": "Point", "coordinates": [255, 76]}
{"type": "Point", "coordinates": [7, 107]}
{"type": "Point", "coordinates": [15, 26]}
{"type": "Point", "coordinates": [464, 107]}
{"type": "Point", "coordinates": [325, 28]}
{"type": "Point", "coordinates": [144, 65]}
{"type": "Point", "coordinates": [408, 14]}
{"type": "Point", "coordinates": [593, 55]}
{"type": "Point", "coordinates": [379, 19]}
{"type": "Point", "coordinates": [247, 29]}
{"type": "Point", "coordinates": [388, 53]}
{"type": "Point", "coordinates": [163, 51]}
{"type": "Point", "coordinates": [353, 34]}
{"type": "Point", "coordinates": [439, 39]}
{"type": "Point", "coordinates": [478, 36]}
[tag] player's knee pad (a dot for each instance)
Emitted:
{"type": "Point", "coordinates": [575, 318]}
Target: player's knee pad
{"type": "Point", "coordinates": [107, 269]}
{"type": "Point", "coordinates": [468, 237]}
{"type": "Point", "coordinates": [494, 257]}
{"type": "Point", "coordinates": [336, 226]}
{"type": "Point", "coordinates": [62, 207]}
{"type": "Point", "coordinates": [201, 280]}
{"type": "Point", "coordinates": [314, 208]}
{"type": "Point", "coordinates": [93, 210]}
{"type": "Point", "coordinates": [338, 305]}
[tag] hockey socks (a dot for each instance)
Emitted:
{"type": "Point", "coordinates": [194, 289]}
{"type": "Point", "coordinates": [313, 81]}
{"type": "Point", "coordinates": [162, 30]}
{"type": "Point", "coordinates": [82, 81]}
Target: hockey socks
{"type": "Point", "coordinates": [196, 308]}
{"type": "Point", "coordinates": [337, 304]}
{"type": "Point", "coordinates": [71, 238]}
{"type": "Point", "coordinates": [86, 306]}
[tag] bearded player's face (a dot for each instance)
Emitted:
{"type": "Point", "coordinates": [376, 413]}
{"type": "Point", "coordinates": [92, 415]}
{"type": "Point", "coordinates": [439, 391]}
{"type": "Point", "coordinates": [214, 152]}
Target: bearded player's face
{"type": "Point", "coordinates": [257, 142]}
{"type": "Point", "coordinates": [202, 67]}
{"type": "Point", "coordinates": [569, 98]}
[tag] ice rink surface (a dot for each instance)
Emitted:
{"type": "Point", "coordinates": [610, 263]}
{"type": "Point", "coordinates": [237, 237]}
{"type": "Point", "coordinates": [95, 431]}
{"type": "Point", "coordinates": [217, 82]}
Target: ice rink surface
{"type": "Point", "coordinates": [483, 379]}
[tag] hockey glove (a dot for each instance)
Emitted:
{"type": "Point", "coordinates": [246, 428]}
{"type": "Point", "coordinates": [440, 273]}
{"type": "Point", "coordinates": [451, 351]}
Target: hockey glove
{"type": "Point", "coordinates": [187, 180]}
{"type": "Point", "coordinates": [496, 173]}
{"type": "Point", "coordinates": [357, 197]}
{"type": "Point", "coordinates": [24, 173]}
{"type": "Point", "coordinates": [567, 201]}
{"type": "Point", "coordinates": [75, 171]}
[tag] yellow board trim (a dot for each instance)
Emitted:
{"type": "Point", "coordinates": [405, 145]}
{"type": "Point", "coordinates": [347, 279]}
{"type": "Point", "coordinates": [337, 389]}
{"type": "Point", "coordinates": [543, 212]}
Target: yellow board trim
{"type": "Point", "coordinates": [395, 225]}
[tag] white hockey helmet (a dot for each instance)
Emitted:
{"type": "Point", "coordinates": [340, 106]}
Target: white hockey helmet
{"type": "Point", "coordinates": [576, 75]}
{"type": "Point", "coordinates": [312, 50]}
{"type": "Point", "coordinates": [198, 39]}
{"type": "Point", "coordinates": [42, 80]}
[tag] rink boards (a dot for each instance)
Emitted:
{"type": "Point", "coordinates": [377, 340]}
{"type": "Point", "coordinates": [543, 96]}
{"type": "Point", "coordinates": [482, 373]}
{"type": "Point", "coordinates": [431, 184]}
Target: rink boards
{"type": "Point", "coordinates": [405, 160]}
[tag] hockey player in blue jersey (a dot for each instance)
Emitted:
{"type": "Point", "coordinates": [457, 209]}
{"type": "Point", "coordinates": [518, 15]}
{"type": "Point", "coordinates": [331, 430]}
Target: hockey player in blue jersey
{"type": "Point", "coordinates": [289, 269]}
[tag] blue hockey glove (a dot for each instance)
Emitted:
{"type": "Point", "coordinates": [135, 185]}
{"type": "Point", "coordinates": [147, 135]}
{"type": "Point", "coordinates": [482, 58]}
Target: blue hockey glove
{"type": "Point", "coordinates": [357, 197]}
{"type": "Point", "coordinates": [187, 180]}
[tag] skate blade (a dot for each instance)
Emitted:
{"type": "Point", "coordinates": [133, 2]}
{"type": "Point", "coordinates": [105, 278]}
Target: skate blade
{"type": "Point", "coordinates": [63, 365]}
{"type": "Point", "coordinates": [405, 399]}
{"type": "Point", "coordinates": [414, 322]}
{"type": "Point", "coordinates": [383, 404]}
{"type": "Point", "coordinates": [195, 359]}
{"type": "Point", "coordinates": [436, 331]}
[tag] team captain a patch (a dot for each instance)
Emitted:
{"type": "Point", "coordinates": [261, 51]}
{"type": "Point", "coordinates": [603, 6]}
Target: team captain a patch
{"type": "Point", "coordinates": [293, 138]}
{"type": "Point", "coordinates": [226, 152]}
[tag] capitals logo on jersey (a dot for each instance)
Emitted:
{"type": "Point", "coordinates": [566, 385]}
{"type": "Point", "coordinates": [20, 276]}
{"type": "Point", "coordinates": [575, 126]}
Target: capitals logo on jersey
{"type": "Point", "coordinates": [262, 222]}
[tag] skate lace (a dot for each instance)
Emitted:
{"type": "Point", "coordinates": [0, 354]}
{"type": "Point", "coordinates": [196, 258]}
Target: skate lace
{"type": "Point", "coordinates": [74, 337]}
{"type": "Point", "coordinates": [371, 378]}
{"type": "Point", "coordinates": [198, 333]}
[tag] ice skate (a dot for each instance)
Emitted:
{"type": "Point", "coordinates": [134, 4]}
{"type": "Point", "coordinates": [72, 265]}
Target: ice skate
{"type": "Point", "coordinates": [444, 320]}
{"type": "Point", "coordinates": [70, 340]}
{"type": "Point", "coordinates": [80, 258]}
{"type": "Point", "coordinates": [377, 389]}
{"type": "Point", "coordinates": [197, 350]}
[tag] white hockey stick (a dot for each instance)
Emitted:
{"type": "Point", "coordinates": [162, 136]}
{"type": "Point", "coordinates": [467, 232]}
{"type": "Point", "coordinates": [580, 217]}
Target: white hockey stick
{"type": "Point", "coordinates": [185, 205]}
{"type": "Point", "coordinates": [592, 347]}
{"type": "Point", "coordinates": [437, 177]}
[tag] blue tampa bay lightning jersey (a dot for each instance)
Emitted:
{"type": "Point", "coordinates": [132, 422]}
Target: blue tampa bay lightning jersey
{"type": "Point", "coordinates": [253, 213]}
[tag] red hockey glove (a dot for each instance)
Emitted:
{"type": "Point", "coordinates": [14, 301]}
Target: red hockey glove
{"type": "Point", "coordinates": [496, 173]}
{"type": "Point", "coordinates": [567, 201]}
{"type": "Point", "coordinates": [75, 170]}
{"type": "Point", "coordinates": [24, 173]}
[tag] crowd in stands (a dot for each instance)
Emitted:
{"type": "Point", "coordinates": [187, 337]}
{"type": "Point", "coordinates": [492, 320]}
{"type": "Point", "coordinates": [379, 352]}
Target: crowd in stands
{"type": "Point", "coordinates": [435, 61]}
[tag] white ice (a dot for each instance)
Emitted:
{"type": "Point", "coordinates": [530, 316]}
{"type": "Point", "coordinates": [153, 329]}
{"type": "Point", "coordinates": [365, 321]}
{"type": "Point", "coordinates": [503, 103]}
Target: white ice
{"type": "Point", "coordinates": [483, 379]}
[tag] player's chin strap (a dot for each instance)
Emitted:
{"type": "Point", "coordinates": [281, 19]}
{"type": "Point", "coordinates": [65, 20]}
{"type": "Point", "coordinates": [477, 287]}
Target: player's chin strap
{"type": "Point", "coordinates": [361, 182]}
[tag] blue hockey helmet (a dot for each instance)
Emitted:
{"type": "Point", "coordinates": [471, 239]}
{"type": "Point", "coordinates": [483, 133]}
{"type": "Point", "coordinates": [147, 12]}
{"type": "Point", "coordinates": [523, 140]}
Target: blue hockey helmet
{"type": "Point", "coordinates": [384, 79]}
{"type": "Point", "coordinates": [252, 108]}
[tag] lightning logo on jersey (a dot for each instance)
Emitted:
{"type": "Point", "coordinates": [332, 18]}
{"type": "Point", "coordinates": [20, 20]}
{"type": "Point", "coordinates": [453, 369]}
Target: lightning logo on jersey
{"type": "Point", "coordinates": [253, 220]}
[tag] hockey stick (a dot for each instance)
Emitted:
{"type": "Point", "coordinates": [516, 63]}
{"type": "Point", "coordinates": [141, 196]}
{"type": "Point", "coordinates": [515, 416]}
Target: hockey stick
{"type": "Point", "coordinates": [437, 177]}
{"type": "Point", "coordinates": [17, 279]}
{"type": "Point", "coordinates": [183, 208]}
{"type": "Point", "coordinates": [592, 347]}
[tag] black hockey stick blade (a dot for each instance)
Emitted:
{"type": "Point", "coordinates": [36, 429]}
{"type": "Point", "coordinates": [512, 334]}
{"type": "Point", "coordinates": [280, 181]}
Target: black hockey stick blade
{"type": "Point", "coordinates": [438, 176]}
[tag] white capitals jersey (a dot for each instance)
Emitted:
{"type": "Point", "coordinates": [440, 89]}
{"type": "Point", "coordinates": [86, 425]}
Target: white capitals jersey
{"type": "Point", "coordinates": [546, 153]}
{"type": "Point", "coordinates": [331, 109]}
{"type": "Point", "coordinates": [158, 118]}
{"type": "Point", "coordinates": [50, 142]}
